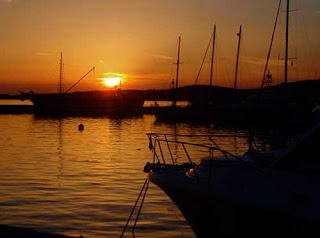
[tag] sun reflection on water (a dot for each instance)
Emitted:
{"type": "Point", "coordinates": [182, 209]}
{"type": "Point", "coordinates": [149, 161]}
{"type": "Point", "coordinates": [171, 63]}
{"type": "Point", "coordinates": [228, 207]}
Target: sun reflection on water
{"type": "Point", "coordinates": [61, 180]}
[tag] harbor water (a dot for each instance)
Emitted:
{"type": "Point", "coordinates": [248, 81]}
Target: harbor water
{"type": "Point", "coordinates": [55, 178]}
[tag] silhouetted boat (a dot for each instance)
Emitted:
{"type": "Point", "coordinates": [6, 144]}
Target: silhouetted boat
{"type": "Point", "coordinates": [173, 112]}
{"type": "Point", "coordinates": [112, 102]}
{"type": "Point", "coordinates": [199, 110]}
{"type": "Point", "coordinates": [277, 105]}
{"type": "Point", "coordinates": [16, 232]}
{"type": "Point", "coordinates": [108, 102]}
{"type": "Point", "coordinates": [260, 194]}
{"type": "Point", "coordinates": [284, 104]}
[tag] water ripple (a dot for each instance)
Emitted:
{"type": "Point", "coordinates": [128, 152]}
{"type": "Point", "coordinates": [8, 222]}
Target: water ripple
{"type": "Point", "coordinates": [57, 179]}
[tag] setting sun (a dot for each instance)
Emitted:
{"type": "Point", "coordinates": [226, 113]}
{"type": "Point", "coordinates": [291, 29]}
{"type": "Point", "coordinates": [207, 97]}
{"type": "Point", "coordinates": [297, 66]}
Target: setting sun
{"type": "Point", "coordinates": [112, 79]}
{"type": "Point", "coordinates": [112, 82]}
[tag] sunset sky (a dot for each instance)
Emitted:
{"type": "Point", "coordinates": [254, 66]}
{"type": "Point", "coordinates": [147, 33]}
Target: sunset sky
{"type": "Point", "coordinates": [138, 39]}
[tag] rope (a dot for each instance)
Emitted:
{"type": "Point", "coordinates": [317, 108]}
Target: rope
{"type": "Point", "coordinates": [144, 188]}
{"type": "Point", "coordinates": [80, 80]}
{"type": "Point", "coordinates": [204, 58]}
{"type": "Point", "coordinates": [140, 208]}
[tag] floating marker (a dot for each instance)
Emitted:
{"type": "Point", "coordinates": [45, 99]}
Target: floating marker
{"type": "Point", "coordinates": [81, 127]}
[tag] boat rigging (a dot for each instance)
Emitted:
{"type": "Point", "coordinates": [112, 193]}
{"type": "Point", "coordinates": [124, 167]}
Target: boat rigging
{"type": "Point", "coordinates": [213, 40]}
{"type": "Point", "coordinates": [212, 61]}
{"type": "Point", "coordinates": [264, 79]}
{"type": "Point", "coordinates": [287, 46]}
{"type": "Point", "coordinates": [60, 91]}
{"type": "Point", "coordinates": [91, 70]}
{"type": "Point", "coordinates": [287, 39]}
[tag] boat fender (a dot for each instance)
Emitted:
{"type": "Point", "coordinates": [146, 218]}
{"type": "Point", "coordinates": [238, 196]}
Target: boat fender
{"type": "Point", "coordinates": [148, 167]}
{"type": "Point", "coordinates": [81, 127]}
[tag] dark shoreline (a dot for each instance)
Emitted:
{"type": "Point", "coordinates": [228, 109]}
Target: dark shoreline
{"type": "Point", "coordinates": [200, 92]}
{"type": "Point", "coordinates": [16, 109]}
{"type": "Point", "coordinates": [305, 93]}
{"type": "Point", "coordinates": [19, 232]}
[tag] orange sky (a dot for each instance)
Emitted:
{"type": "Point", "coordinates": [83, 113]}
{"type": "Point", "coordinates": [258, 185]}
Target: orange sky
{"type": "Point", "coordinates": [139, 39]}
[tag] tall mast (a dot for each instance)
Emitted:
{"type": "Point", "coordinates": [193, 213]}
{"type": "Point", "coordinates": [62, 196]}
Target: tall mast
{"type": "Point", "coordinates": [178, 63]}
{"type": "Point", "coordinates": [270, 47]}
{"type": "Point", "coordinates": [60, 74]}
{"type": "Point", "coordinates": [238, 53]}
{"type": "Point", "coordinates": [212, 61]}
{"type": "Point", "coordinates": [177, 73]}
{"type": "Point", "coordinates": [287, 46]}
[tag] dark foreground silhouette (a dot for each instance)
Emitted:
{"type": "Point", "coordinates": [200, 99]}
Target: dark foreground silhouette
{"type": "Point", "coordinates": [19, 232]}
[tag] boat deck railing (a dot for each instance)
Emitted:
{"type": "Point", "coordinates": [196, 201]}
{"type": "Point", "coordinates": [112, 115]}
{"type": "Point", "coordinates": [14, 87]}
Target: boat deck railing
{"type": "Point", "coordinates": [161, 146]}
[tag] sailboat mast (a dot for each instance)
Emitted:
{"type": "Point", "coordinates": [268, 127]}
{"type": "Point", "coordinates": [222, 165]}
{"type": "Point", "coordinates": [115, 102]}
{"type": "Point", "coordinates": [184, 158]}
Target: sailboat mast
{"type": "Point", "coordinates": [238, 53]}
{"type": "Point", "coordinates": [270, 47]}
{"type": "Point", "coordinates": [212, 61]}
{"type": "Point", "coordinates": [60, 74]}
{"type": "Point", "coordinates": [178, 63]}
{"type": "Point", "coordinates": [287, 46]}
{"type": "Point", "coordinates": [177, 74]}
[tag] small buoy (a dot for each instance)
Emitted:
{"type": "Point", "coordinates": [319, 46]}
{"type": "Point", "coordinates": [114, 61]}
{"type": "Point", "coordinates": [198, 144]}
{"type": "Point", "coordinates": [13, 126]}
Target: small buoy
{"type": "Point", "coordinates": [81, 127]}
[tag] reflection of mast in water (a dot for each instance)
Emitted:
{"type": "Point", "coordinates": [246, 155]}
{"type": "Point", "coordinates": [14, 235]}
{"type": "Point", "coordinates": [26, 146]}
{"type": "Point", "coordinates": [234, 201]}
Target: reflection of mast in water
{"type": "Point", "coordinates": [176, 139]}
{"type": "Point", "coordinates": [116, 133]}
{"type": "Point", "coordinates": [235, 142]}
{"type": "Point", "coordinates": [60, 142]}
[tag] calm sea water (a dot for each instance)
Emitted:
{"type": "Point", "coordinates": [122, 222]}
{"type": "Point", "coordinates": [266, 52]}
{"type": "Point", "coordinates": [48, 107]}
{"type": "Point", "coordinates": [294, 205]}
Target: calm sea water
{"type": "Point", "coordinates": [55, 178]}
{"type": "Point", "coordinates": [15, 102]}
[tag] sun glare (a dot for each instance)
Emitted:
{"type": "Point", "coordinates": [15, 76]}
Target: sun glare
{"type": "Point", "coordinates": [112, 82]}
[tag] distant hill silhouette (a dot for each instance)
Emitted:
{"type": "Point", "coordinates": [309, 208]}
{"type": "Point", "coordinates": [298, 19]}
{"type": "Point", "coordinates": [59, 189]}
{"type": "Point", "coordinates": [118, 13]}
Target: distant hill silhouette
{"type": "Point", "coordinates": [306, 90]}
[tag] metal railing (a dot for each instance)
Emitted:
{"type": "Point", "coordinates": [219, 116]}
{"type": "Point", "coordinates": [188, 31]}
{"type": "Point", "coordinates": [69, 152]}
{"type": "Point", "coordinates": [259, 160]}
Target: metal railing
{"type": "Point", "coordinates": [156, 141]}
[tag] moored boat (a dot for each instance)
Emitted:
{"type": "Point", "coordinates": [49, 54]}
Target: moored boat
{"type": "Point", "coordinates": [113, 102]}
{"type": "Point", "coordinates": [260, 194]}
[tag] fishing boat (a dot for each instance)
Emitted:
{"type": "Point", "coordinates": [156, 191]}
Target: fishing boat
{"type": "Point", "coordinates": [109, 102]}
{"type": "Point", "coordinates": [262, 193]}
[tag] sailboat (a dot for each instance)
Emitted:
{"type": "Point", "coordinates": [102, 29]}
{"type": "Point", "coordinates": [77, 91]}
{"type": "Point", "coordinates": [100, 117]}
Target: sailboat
{"type": "Point", "coordinates": [214, 98]}
{"type": "Point", "coordinates": [173, 112]}
{"type": "Point", "coordinates": [87, 103]}
{"type": "Point", "coordinates": [285, 104]}
{"type": "Point", "coordinates": [196, 109]}
{"type": "Point", "coordinates": [204, 104]}
{"type": "Point", "coordinates": [259, 194]}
